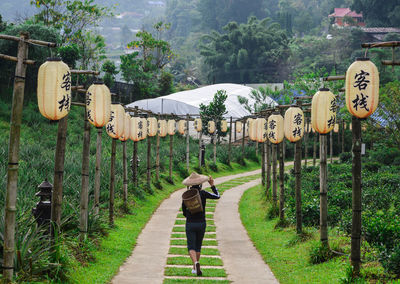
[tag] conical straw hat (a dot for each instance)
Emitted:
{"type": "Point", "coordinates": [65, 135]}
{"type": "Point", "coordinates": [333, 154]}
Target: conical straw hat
{"type": "Point", "coordinates": [195, 179]}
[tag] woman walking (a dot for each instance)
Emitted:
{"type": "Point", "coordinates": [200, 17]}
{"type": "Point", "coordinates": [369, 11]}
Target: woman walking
{"type": "Point", "coordinates": [196, 219]}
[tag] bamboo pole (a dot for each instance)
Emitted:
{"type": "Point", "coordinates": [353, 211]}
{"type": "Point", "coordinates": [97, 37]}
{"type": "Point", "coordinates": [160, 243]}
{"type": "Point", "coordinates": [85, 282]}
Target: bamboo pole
{"type": "Point", "coordinates": [200, 136]}
{"type": "Point", "coordinates": [125, 176]}
{"type": "Point", "coordinates": [13, 159]}
{"type": "Point", "coordinates": [230, 142]}
{"type": "Point", "coordinates": [323, 173]}
{"type": "Point", "coordinates": [263, 164]}
{"type": "Point", "coordinates": [281, 183]}
{"type": "Point", "coordinates": [244, 134]}
{"type": "Point", "coordinates": [134, 156]}
{"type": "Point", "coordinates": [83, 220]}
{"type": "Point", "coordinates": [331, 146]}
{"type": "Point", "coordinates": [97, 174]}
{"type": "Point", "coordinates": [15, 59]}
{"type": "Point", "coordinates": [268, 183]}
{"type": "Point", "coordinates": [274, 175]}
{"type": "Point", "coordinates": [343, 132]}
{"type": "Point", "coordinates": [171, 141]}
{"type": "Point", "coordinates": [356, 203]}
{"type": "Point", "coordinates": [315, 149]}
{"type": "Point", "coordinates": [57, 195]}
{"type": "Point", "coordinates": [148, 162]}
{"type": "Point", "coordinates": [305, 143]}
{"type": "Point", "coordinates": [256, 148]}
{"type": "Point", "coordinates": [112, 182]}
{"type": "Point", "coordinates": [215, 146]}
{"type": "Point", "coordinates": [297, 174]}
{"type": "Point", "coordinates": [187, 142]}
{"type": "Point", "coordinates": [158, 158]}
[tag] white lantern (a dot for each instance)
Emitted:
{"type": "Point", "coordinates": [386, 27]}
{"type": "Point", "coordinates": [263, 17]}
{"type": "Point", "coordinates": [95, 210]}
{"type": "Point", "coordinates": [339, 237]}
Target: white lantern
{"type": "Point", "coordinates": [54, 89]}
{"type": "Point", "coordinates": [336, 128]}
{"type": "Point", "coordinates": [362, 88]}
{"type": "Point", "coordinates": [127, 128]}
{"type": "Point", "coordinates": [152, 126]}
{"type": "Point", "coordinates": [275, 128]}
{"type": "Point", "coordinates": [198, 125]}
{"type": "Point", "coordinates": [182, 126]}
{"type": "Point", "coordinates": [294, 124]}
{"type": "Point", "coordinates": [239, 126]}
{"type": "Point", "coordinates": [98, 104]}
{"type": "Point", "coordinates": [162, 128]}
{"type": "Point", "coordinates": [261, 125]}
{"type": "Point", "coordinates": [323, 111]}
{"type": "Point", "coordinates": [134, 131]}
{"type": "Point", "coordinates": [115, 126]}
{"type": "Point", "coordinates": [171, 127]}
{"type": "Point", "coordinates": [144, 127]}
{"type": "Point", "coordinates": [224, 126]}
{"type": "Point", "coordinates": [252, 129]}
{"type": "Point", "coordinates": [211, 127]}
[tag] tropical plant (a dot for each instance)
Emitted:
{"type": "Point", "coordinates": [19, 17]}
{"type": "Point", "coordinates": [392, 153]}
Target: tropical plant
{"type": "Point", "coordinates": [214, 111]}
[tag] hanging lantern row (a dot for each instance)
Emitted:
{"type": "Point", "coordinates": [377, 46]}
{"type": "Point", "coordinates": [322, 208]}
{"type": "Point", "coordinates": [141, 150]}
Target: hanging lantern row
{"type": "Point", "coordinates": [98, 104]}
{"type": "Point", "coordinates": [224, 126]}
{"type": "Point", "coordinates": [262, 128]}
{"type": "Point", "coordinates": [294, 124]}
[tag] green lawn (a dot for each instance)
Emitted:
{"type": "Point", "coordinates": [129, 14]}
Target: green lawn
{"type": "Point", "coordinates": [184, 251]}
{"type": "Point", "coordinates": [289, 263]}
{"type": "Point", "coordinates": [209, 261]}
{"type": "Point", "coordinates": [183, 242]}
{"type": "Point", "coordinates": [195, 281]}
{"type": "Point", "coordinates": [207, 272]}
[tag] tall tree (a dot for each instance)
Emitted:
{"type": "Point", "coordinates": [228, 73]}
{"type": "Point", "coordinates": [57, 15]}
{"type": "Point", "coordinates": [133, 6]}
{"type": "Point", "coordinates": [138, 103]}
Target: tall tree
{"type": "Point", "coordinates": [253, 52]}
{"type": "Point", "coordinates": [378, 13]}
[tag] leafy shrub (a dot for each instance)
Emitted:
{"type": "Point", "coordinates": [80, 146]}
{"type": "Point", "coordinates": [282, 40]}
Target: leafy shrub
{"type": "Point", "coordinates": [223, 155]}
{"type": "Point", "coordinates": [385, 155]}
{"type": "Point", "coordinates": [250, 153]}
{"type": "Point", "coordinates": [372, 166]}
{"type": "Point", "coordinates": [320, 253]}
{"type": "Point", "coordinates": [345, 157]}
{"type": "Point", "coordinates": [390, 259]}
{"type": "Point", "coordinates": [213, 167]}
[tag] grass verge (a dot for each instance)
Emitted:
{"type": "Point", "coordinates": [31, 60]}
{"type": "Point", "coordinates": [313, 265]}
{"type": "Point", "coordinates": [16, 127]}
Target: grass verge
{"type": "Point", "coordinates": [207, 272]}
{"type": "Point", "coordinates": [209, 261]}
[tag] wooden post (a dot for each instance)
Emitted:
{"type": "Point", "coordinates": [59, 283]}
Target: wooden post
{"type": "Point", "coordinates": [331, 146]}
{"type": "Point", "coordinates": [315, 149]}
{"type": "Point", "coordinates": [268, 182]}
{"type": "Point", "coordinates": [256, 148]}
{"type": "Point", "coordinates": [305, 143]}
{"type": "Point", "coordinates": [171, 141]}
{"type": "Point", "coordinates": [284, 149]}
{"type": "Point", "coordinates": [215, 146]}
{"type": "Point", "coordinates": [281, 183]}
{"type": "Point", "coordinates": [230, 142]}
{"type": "Point", "coordinates": [125, 176]}
{"type": "Point", "coordinates": [200, 137]}
{"type": "Point", "coordinates": [343, 136]}
{"type": "Point", "coordinates": [274, 175]}
{"type": "Point", "coordinates": [323, 173]}
{"type": "Point", "coordinates": [84, 204]}
{"type": "Point", "coordinates": [263, 164]}
{"type": "Point", "coordinates": [13, 159]}
{"type": "Point", "coordinates": [235, 134]}
{"type": "Point", "coordinates": [57, 195]}
{"type": "Point", "coordinates": [148, 162]}
{"type": "Point", "coordinates": [158, 155]}
{"type": "Point", "coordinates": [134, 156]}
{"type": "Point", "coordinates": [187, 142]}
{"type": "Point", "coordinates": [97, 174]}
{"type": "Point", "coordinates": [244, 134]}
{"type": "Point", "coordinates": [297, 174]}
{"type": "Point", "coordinates": [112, 182]}
{"type": "Point", "coordinates": [356, 204]}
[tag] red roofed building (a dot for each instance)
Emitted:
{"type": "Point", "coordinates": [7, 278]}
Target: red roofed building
{"type": "Point", "coordinates": [340, 13]}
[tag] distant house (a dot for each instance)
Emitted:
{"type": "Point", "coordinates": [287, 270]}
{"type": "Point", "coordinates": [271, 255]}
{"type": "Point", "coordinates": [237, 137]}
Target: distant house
{"type": "Point", "coordinates": [341, 13]}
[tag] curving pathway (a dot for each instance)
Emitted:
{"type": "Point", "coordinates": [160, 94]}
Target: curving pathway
{"type": "Point", "coordinates": [148, 259]}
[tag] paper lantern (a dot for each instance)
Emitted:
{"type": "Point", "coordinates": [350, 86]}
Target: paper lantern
{"type": "Point", "coordinates": [275, 128]}
{"type": "Point", "coordinates": [239, 126]}
{"type": "Point", "coordinates": [171, 126]}
{"type": "Point", "coordinates": [224, 126]}
{"type": "Point", "coordinates": [152, 126]}
{"type": "Point", "coordinates": [98, 104]}
{"type": "Point", "coordinates": [182, 126]}
{"type": "Point", "coordinates": [362, 88]}
{"type": "Point", "coordinates": [127, 128]}
{"type": "Point", "coordinates": [323, 111]}
{"type": "Point", "coordinates": [54, 89]}
{"type": "Point", "coordinates": [294, 124]}
{"type": "Point", "coordinates": [261, 124]}
{"type": "Point", "coordinates": [336, 128]}
{"type": "Point", "coordinates": [198, 124]}
{"type": "Point", "coordinates": [251, 129]}
{"type": "Point", "coordinates": [144, 126]}
{"type": "Point", "coordinates": [162, 128]}
{"type": "Point", "coordinates": [115, 126]}
{"type": "Point", "coordinates": [350, 126]}
{"type": "Point", "coordinates": [134, 131]}
{"type": "Point", "coordinates": [211, 127]}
